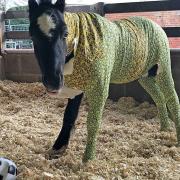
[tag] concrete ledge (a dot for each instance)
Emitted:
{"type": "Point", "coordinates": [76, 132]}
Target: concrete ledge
{"type": "Point", "coordinates": [28, 78]}
{"type": "Point", "coordinates": [21, 66]}
{"type": "Point", "coordinates": [2, 67]}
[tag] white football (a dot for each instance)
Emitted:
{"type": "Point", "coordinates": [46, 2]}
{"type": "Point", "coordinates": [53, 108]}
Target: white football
{"type": "Point", "coordinates": [8, 169]}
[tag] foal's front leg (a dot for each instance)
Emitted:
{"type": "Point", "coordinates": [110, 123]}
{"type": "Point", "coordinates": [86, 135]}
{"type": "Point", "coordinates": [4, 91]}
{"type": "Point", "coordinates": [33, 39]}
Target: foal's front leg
{"type": "Point", "coordinates": [96, 99]}
{"type": "Point", "coordinates": [70, 115]}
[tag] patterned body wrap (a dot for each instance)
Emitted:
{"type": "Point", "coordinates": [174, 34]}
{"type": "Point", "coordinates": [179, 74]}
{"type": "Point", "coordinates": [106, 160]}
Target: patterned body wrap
{"type": "Point", "coordinates": [119, 52]}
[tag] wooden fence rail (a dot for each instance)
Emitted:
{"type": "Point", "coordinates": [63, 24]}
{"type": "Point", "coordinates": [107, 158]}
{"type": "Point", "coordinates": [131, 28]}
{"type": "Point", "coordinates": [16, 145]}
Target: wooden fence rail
{"type": "Point", "coordinates": [147, 6]}
{"type": "Point", "coordinates": [103, 9]}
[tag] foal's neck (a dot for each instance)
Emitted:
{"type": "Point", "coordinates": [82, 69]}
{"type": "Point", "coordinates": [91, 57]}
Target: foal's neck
{"type": "Point", "coordinates": [72, 22]}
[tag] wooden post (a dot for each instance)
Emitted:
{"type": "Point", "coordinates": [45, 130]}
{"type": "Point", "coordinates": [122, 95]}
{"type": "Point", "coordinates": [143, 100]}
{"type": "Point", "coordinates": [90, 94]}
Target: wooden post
{"type": "Point", "coordinates": [1, 30]}
{"type": "Point", "coordinates": [98, 8]}
{"type": "Point", "coordinates": [2, 70]}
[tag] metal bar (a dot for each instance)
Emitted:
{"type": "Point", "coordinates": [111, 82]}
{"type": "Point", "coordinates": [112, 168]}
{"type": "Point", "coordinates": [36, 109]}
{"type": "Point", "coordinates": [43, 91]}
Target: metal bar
{"type": "Point", "coordinates": [172, 31]}
{"type": "Point", "coordinates": [97, 8]}
{"type": "Point", "coordinates": [17, 35]}
{"type": "Point", "coordinates": [84, 8]}
{"type": "Point", "coordinates": [2, 30]}
{"type": "Point", "coordinates": [111, 8]}
{"type": "Point", "coordinates": [25, 14]}
{"type": "Point", "coordinates": [175, 50]}
{"type": "Point", "coordinates": [16, 14]}
{"type": "Point", "coordinates": [142, 6]}
{"type": "Point", "coordinates": [19, 51]}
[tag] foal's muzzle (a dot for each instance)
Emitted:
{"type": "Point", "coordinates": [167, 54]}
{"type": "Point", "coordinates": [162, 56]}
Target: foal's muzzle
{"type": "Point", "coordinates": [53, 84]}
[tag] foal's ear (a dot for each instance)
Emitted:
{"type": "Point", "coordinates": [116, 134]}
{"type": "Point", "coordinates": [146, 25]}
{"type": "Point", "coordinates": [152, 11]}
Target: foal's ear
{"type": "Point", "coordinates": [32, 5]}
{"type": "Point", "coordinates": [60, 4]}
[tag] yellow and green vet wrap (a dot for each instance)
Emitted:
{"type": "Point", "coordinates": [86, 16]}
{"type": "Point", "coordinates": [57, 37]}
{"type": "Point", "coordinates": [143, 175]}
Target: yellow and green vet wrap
{"type": "Point", "coordinates": [119, 52]}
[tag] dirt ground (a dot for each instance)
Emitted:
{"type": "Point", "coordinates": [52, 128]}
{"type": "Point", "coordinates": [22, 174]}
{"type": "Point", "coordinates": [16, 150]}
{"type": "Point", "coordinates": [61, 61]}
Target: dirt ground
{"type": "Point", "coordinates": [130, 145]}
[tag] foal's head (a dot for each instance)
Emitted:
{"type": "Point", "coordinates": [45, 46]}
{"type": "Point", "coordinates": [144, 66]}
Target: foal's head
{"type": "Point", "coordinates": [49, 31]}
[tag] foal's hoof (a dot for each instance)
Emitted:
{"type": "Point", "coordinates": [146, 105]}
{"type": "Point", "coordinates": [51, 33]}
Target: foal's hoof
{"type": "Point", "coordinates": [88, 157]}
{"type": "Point", "coordinates": [55, 154]}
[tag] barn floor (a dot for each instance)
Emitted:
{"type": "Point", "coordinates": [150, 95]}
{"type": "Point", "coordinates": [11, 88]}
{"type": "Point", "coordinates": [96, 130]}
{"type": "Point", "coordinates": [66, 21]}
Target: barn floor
{"type": "Point", "coordinates": [130, 144]}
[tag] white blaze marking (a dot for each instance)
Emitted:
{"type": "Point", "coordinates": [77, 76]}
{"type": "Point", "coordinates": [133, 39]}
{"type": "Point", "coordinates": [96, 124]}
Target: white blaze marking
{"type": "Point", "coordinates": [46, 23]}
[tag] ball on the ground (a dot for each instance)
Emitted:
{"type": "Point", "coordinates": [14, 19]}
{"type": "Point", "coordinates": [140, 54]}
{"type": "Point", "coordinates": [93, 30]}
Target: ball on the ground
{"type": "Point", "coordinates": [8, 169]}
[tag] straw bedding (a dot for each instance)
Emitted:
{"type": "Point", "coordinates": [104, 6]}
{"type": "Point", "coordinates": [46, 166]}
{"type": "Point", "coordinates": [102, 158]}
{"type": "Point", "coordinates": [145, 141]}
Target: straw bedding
{"type": "Point", "coordinates": [130, 145]}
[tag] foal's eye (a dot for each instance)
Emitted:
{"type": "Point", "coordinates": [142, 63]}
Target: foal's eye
{"type": "Point", "coordinates": [65, 35]}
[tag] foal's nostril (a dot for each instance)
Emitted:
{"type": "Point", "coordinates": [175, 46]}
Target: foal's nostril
{"type": "Point", "coordinates": [52, 82]}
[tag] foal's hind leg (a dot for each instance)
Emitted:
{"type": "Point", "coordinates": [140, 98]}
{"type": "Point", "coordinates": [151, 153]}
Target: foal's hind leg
{"type": "Point", "coordinates": [150, 85]}
{"type": "Point", "coordinates": [166, 84]}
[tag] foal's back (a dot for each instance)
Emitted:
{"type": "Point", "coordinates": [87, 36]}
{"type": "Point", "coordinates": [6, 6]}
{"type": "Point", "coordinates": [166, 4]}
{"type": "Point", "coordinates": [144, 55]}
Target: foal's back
{"type": "Point", "coordinates": [141, 45]}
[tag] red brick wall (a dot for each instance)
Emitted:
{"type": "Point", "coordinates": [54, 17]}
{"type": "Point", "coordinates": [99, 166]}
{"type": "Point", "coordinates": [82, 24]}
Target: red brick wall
{"type": "Point", "coordinates": [163, 18]}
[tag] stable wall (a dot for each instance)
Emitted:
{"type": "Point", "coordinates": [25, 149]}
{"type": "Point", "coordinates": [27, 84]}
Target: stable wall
{"type": "Point", "coordinates": [22, 67]}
